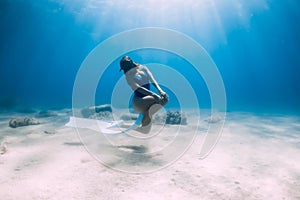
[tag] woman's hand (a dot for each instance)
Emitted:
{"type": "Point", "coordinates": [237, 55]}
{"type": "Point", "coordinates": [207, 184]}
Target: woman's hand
{"type": "Point", "coordinates": [156, 97]}
{"type": "Point", "coordinates": [164, 98]}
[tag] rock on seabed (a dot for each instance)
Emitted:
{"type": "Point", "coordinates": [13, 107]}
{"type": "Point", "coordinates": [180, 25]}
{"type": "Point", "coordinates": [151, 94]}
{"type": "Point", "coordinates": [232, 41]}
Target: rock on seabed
{"type": "Point", "coordinates": [17, 122]}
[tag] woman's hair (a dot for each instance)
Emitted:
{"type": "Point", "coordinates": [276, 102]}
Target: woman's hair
{"type": "Point", "coordinates": [126, 64]}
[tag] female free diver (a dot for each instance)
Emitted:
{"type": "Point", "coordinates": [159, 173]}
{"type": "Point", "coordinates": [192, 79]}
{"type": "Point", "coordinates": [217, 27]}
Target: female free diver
{"type": "Point", "coordinates": [144, 100]}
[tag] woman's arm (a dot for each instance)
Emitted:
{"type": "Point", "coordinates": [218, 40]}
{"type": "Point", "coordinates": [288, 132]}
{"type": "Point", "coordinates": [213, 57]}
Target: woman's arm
{"type": "Point", "coordinates": [164, 98]}
{"type": "Point", "coordinates": [153, 81]}
{"type": "Point", "coordinates": [136, 87]}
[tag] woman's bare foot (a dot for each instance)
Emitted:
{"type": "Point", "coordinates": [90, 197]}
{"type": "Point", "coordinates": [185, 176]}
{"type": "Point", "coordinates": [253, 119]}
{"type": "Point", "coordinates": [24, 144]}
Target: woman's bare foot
{"type": "Point", "coordinates": [144, 129]}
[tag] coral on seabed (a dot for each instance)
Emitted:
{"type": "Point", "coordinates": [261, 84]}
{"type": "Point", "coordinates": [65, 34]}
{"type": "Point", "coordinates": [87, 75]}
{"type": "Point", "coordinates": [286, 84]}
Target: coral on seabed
{"type": "Point", "coordinates": [17, 122]}
{"type": "Point", "coordinates": [171, 117]}
{"type": "Point", "coordinates": [90, 111]}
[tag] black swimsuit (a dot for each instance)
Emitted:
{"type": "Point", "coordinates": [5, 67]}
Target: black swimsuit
{"type": "Point", "coordinates": [138, 94]}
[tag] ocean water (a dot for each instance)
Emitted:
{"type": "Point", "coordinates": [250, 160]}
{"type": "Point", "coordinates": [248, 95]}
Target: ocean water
{"type": "Point", "coordinates": [58, 57]}
{"type": "Point", "coordinates": [254, 44]}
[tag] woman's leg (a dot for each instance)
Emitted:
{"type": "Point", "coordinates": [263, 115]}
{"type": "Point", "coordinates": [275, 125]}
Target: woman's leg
{"type": "Point", "coordinates": [147, 106]}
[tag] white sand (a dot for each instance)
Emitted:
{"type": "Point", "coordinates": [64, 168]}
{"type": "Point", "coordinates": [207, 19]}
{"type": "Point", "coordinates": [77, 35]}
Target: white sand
{"type": "Point", "coordinates": [258, 157]}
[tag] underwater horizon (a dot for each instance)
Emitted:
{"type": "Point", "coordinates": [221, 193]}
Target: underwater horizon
{"type": "Point", "coordinates": [254, 44]}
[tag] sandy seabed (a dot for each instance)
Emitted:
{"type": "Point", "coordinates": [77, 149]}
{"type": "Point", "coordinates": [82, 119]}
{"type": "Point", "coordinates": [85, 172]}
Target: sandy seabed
{"type": "Point", "coordinates": [257, 157]}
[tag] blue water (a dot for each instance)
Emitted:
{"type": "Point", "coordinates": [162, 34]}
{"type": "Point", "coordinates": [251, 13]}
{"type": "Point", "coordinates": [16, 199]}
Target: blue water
{"type": "Point", "coordinates": [255, 45]}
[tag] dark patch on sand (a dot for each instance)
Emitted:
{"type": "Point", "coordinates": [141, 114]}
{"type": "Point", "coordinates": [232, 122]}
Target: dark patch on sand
{"type": "Point", "coordinates": [73, 143]}
{"type": "Point", "coordinates": [135, 149]}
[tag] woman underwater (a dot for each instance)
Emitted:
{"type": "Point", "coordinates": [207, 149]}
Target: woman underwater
{"type": "Point", "coordinates": [144, 100]}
